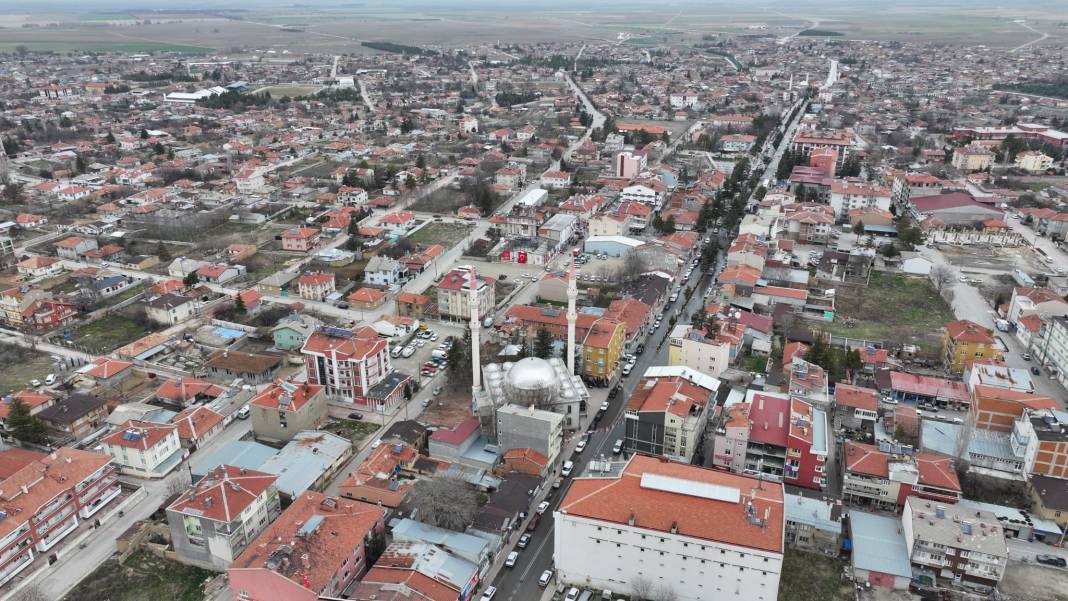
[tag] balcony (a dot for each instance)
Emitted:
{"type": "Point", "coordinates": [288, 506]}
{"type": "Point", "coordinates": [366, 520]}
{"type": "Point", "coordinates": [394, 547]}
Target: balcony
{"type": "Point", "coordinates": [49, 541]}
{"type": "Point", "coordinates": [10, 570]}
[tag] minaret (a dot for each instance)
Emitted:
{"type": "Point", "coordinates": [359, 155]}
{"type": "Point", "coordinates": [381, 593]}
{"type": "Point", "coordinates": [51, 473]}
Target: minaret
{"type": "Point", "coordinates": [476, 362]}
{"type": "Point", "coordinates": [3, 163]}
{"type": "Point", "coordinates": [572, 317]}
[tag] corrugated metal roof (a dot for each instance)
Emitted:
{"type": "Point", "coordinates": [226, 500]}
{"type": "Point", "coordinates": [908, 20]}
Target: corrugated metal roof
{"type": "Point", "coordinates": [879, 544]}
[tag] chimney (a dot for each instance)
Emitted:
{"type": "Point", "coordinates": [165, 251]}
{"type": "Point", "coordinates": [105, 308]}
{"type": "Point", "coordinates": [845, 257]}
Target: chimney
{"type": "Point", "coordinates": [630, 520]}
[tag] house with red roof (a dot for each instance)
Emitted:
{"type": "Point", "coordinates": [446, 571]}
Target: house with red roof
{"type": "Point", "coordinates": [219, 273]}
{"type": "Point", "coordinates": [882, 477]}
{"type": "Point", "coordinates": [316, 285]}
{"type": "Point", "coordinates": [300, 239]}
{"type": "Point", "coordinates": [316, 548]}
{"type": "Point", "coordinates": [964, 341]}
{"type": "Point", "coordinates": [197, 425]}
{"type": "Point", "coordinates": [667, 414]}
{"type": "Point", "coordinates": [285, 407]}
{"type": "Point", "coordinates": [217, 518]}
{"type": "Point", "coordinates": [375, 480]}
{"type": "Point", "coordinates": [145, 449]}
{"type": "Point", "coordinates": [367, 298]}
{"type": "Point", "coordinates": [106, 371]}
{"type": "Point", "coordinates": [39, 266]}
{"type": "Point", "coordinates": [855, 408]}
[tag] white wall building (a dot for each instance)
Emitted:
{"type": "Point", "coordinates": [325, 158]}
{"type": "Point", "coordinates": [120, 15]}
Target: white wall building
{"type": "Point", "coordinates": [696, 533]}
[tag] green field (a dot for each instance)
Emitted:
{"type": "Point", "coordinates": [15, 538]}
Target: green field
{"type": "Point", "coordinates": [144, 577]}
{"type": "Point", "coordinates": [289, 91]}
{"type": "Point", "coordinates": [445, 234]}
{"type": "Point", "coordinates": [109, 333]}
{"type": "Point", "coordinates": [894, 308]}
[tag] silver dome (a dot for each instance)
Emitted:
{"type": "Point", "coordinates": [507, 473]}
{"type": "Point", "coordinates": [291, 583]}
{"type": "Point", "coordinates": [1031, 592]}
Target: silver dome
{"type": "Point", "coordinates": [531, 373]}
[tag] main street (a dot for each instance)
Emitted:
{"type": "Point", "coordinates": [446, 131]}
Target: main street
{"type": "Point", "coordinates": [521, 582]}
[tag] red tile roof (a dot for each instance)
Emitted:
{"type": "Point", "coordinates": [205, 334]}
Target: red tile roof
{"type": "Point", "coordinates": [271, 396]}
{"type": "Point", "coordinates": [194, 422]}
{"type": "Point", "coordinates": [136, 434]}
{"type": "Point", "coordinates": [622, 499]}
{"type": "Point", "coordinates": [223, 493]}
{"type": "Point", "coordinates": [857, 397]}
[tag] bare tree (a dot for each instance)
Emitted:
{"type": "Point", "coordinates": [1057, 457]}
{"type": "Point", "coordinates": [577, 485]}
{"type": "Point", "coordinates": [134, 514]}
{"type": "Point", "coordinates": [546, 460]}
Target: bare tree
{"type": "Point", "coordinates": [445, 502]}
{"type": "Point", "coordinates": [664, 592]}
{"type": "Point", "coordinates": [641, 588]}
{"type": "Point", "coordinates": [941, 276]}
{"type": "Point", "coordinates": [633, 267]}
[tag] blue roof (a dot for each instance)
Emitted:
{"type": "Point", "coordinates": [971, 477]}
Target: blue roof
{"type": "Point", "coordinates": [304, 459]}
{"type": "Point", "coordinates": [463, 545]}
{"type": "Point", "coordinates": [879, 545]}
{"type": "Point", "coordinates": [819, 431]}
{"type": "Point", "coordinates": [238, 453]}
{"type": "Point", "coordinates": [813, 512]}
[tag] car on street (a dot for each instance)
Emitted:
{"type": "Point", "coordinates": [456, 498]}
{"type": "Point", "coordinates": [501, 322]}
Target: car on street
{"type": "Point", "coordinates": [1051, 560]}
{"type": "Point", "coordinates": [523, 541]}
{"type": "Point", "coordinates": [542, 507]}
{"type": "Point", "coordinates": [533, 524]}
{"type": "Point", "coordinates": [50, 379]}
{"type": "Point", "coordinates": [1036, 371]}
{"type": "Point", "coordinates": [617, 448]}
{"type": "Point", "coordinates": [627, 369]}
{"type": "Point", "coordinates": [604, 406]}
{"type": "Point", "coordinates": [581, 446]}
{"type": "Point", "coordinates": [488, 594]}
{"type": "Point", "coordinates": [1026, 356]}
{"type": "Point", "coordinates": [526, 276]}
{"type": "Point", "coordinates": [426, 402]}
{"type": "Point", "coordinates": [436, 391]}
{"type": "Point", "coordinates": [612, 393]}
{"type": "Point", "coordinates": [243, 412]}
{"type": "Point", "coordinates": [545, 578]}
{"type": "Point", "coordinates": [565, 471]}
{"type": "Point", "coordinates": [512, 558]}
{"type": "Point", "coordinates": [572, 594]}
{"type": "Point", "coordinates": [408, 351]}
{"type": "Point", "coordinates": [356, 415]}
{"type": "Point", "coordinates": [35, 383]}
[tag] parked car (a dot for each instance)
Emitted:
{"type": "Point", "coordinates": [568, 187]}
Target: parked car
{"type": "Point", "coordinates": [488, 594]}
{"type": "Point", "coordinates": [542, 507]}
{"type": "Point", "coordinates": [1026, 356]}
{"type": "Point", "coordinates": [533, 525]}
{"type": "Point", "coordinates": [617, 448]}
{"type": "Point", "coordinates": [35, 383]}
{"type": "Point", "coordinates": [436, 391]}
{"type": "Point", "coordinates": [1051, 560]}
{"type": "Point", "coordinates": [50, 379]}
{"type": "Point", "coordinates": [545, 578]}
{"type": "Point", "coordinates": [1036, 371]}
{"type": "Point", "coordinates": [604, 406]}
{"type": "Point", "coordinates": [565, 471]}
{"type": "Point", "coordinates": [356, 415]}
{"type": "Point", "coordinates": [243, 412]}
{"type": "Point", "coordinates": [512, 558]}
{"type": "Point", "coordinates": [572, 594]}
{"type": "Point", "coordinates": [523, 541]}
{"type": "Point", "coordinates": [581, 446]}
{"type": "Point", "coordinates": [408, 351]}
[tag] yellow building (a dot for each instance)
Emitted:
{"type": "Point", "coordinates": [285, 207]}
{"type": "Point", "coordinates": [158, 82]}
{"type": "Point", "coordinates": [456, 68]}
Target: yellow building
{"type": "Point", "coordinates": [602, 348]}
{"type": "Point", "coordinates": [964, 341]}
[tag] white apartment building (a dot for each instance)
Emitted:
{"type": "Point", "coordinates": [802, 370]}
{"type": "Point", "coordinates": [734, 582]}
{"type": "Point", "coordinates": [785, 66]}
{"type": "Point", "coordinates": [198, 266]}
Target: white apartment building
{"type": "Point", "coordinates": [1051, 347]}
{"type": "Point", "coordinates": [848, 195]}
{"type": "Point", "coordinates": [689, 533]}
{"type": "Point", "coordinates": [692, 349]}
{"type": "Point", "coordinates": [639, 193]}
{"type": "Point", "coordinates": [216, 519]}
{"type": "Point", "coordinates": [145, 449]}
{"type": "Point", "coordinates": [952, 543]}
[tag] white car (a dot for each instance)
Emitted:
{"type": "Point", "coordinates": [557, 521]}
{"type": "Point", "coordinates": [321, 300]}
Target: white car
{"type": "Point", "coordinates": [617, 448]}
{"type": "Point", "coordinates": [565, 471]}
{"type": "Point", "coordinates": [604, 406]}
{"type": "Point", "coordinates": [572, 594]}
{"type": "Point", "coordinates": [408, 351]}
{"type": "Point", "coordinates": [526, 276]}
{"type": "Point", "coordinates": [512, 558]}
{"type": "Point", "coordinates": [50, 379]}
{"type": "Point", "coordinates": [243, 412]}
{"type": "Point", "coordinates": [581, 446]}
{"type": "Point", "coordinates": [35, 383]}
{"type": "Point", "coordinates": [542, 507]}
{"type": "Point", "coordinates": [546, 576]}
{"type": "Point", "coordinates": [488, 594]}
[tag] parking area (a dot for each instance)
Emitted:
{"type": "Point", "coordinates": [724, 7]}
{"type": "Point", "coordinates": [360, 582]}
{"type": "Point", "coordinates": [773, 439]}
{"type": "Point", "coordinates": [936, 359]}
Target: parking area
{"type": "Point", "coordinates": [1031, 582]}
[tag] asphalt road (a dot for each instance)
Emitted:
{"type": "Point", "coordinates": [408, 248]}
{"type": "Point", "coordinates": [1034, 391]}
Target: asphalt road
{"type": "Point", "coordinates": [521, 582]}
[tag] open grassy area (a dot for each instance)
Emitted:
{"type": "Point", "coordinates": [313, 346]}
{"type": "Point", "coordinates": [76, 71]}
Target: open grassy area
{"type": "Point", "coordinates": [807, 577]}
{"type": "Point", "coordinates": [351, 429]}
{"type": "Point", "coordinates": [75, 44]}
{"type": "Point", "coordinates": [109, 333]}
{"type": "Point", "coordinates": [20, 366]}
{"type": "Point", "coordinates": [445, 234]}
{"type": "Point", "coordinates": [894, 308]}
{"type": "Point", "coordinates": [291, 91]}
{"type": "Point", "coordinates": [144, 577]}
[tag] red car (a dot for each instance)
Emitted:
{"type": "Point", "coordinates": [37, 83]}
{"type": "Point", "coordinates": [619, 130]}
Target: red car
{"type": "Point", "coordinates": [533, 524]}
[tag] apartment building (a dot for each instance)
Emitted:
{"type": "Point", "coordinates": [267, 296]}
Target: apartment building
{"type": "Point", "coordinates": [284, 408]}
{"type": "Point", "coordinates": [1042, 437]}
{"type": "Point", "coordinates": [882, 477]}
{"type": "Point", "coordinates": [953, 544]}
{"type": "Point", "coordinates": [145, 449]}
{"type": "Point", "coordinates": [44, 499]}
{"type": "Point", "coordinates": [667, 414]}
{"type": "Point", "coordinates": [316, 548]}
{"type": "Point", "coordinates": [807, 140]}
{"type": "Point", "coordinates": [454, 295]}
{"type": "Point", "coordinates": [602, 348]}
{"type": "Point", "coordinates": [698, 533]}
{"type": "Point", "coordinates": [964, 341]}
{"type": "Point", "coordinates": [216, 519]}
{"type": "Point", "coordinates": [350, 363]}
{"type": "Point", "coordinates": [691, 348]}
{"type": "Point", "coordinates": [1051, 347]}
{"type": "Point", "coordinates": [775, 436]}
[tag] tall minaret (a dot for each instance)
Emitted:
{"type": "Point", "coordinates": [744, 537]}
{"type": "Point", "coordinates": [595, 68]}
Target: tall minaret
{"type": "Point", "coordinates": [476, 327]}
{"type": "Point", "coordinates": [572, 317]}
{"type": "Point", "coordinates": [3, 163]}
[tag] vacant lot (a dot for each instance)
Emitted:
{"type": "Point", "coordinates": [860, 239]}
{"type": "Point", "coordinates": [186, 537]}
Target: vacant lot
{"type": "Point", "coordinates": [290, 91]}
{"type": "Point", "coordinates": [20, 366]}
{"type": "Point", "coordinates": [144, 577]}
{"type": "Point", "coordinates": [894, 309]}
{"type": "Point", "coordinates": [445, 234]}
{"type": "Point", "coordinates": [351, 429]}
{"type": "Point", "coordinates": [1027, 582]}
{"type": "Point", "coordinates": [808, 577]}
{"type": "Point", "coordinates": [109, 333]}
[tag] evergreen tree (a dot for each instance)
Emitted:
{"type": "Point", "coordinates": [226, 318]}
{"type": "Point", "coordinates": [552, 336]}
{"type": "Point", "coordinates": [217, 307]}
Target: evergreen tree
{"type": "Point", "coordinates": [239, 304]}
{"type": "Point", "coordinates": [543, 344]}
{"type": "Point", "coordinates": [23, 426]}
{"type": "Point", "coordinates": [458, 361]}
{"type": "Point", "coordinates": [190, 279]}
{"type": "Point", "coordinates": [162, 252]}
